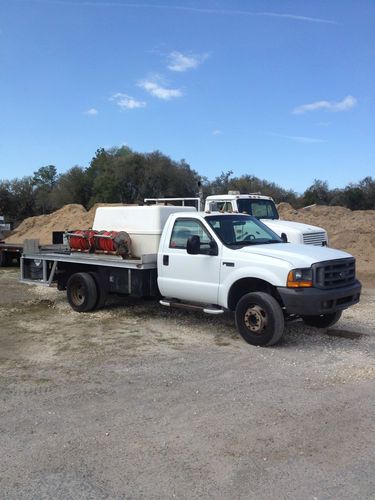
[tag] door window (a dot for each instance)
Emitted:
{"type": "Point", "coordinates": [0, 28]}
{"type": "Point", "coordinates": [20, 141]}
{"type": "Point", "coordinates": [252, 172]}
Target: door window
{"type": "Point", "coordinates": [183, 229]}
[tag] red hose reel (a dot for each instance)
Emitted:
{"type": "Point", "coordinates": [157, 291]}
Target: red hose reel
{"type": "Point", "coordinates": [81, 240]}
{"type": "Point", "coordinates": [112, 242]}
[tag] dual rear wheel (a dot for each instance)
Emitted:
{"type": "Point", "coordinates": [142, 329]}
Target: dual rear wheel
{"type": "Point", "coordinates": [84, 292]}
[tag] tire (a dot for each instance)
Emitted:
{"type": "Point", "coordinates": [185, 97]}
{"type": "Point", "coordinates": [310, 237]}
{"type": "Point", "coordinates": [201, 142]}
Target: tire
{"type": "Point", "coordinates": [4, 260]}
{"type": "Point", "coordinates": [82, 292]}
{"type": "Point", "coordinates": [322, 321]}
{"type": "Point", "coordinates": [259, 319]}
{"type": "Point", "coordinates": [102, 294]}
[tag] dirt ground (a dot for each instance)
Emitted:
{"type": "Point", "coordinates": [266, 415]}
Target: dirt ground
{"type": "Point", "coordinates": [136, 401]}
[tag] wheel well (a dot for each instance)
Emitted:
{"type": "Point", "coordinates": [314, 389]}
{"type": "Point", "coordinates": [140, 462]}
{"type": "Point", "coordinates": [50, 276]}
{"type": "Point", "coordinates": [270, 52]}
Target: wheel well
{"type": "Point", "coordinates": [67, 269]}
{"type": "Point", "coordinates": [247, 285]}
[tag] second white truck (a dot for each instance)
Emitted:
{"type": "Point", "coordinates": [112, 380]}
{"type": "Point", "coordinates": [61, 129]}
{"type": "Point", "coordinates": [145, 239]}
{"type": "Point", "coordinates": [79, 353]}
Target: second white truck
{"type": "Point", "coordinates": [210, 262]}
{"type": "Point", "coordinates": [264, 209]}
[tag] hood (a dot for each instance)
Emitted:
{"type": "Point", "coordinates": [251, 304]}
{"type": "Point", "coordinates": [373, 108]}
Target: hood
{"type": "Point", "coordinates": [279, 225]}
{"type": "Point", "coordinates": [296, 255]}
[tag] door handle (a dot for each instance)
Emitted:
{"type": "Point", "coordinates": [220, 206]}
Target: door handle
{"type": "Point", "coordinates": [165, 260]}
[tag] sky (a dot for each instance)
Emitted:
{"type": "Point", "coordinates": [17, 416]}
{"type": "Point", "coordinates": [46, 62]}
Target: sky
{"type": "Point", "coordinates": [282, 90]}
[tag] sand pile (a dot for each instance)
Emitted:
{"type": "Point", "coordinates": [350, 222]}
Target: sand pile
{"type": "Point", "coordinates": [352, 231]}
{"type": "Point", "coordinates": [41, 227]}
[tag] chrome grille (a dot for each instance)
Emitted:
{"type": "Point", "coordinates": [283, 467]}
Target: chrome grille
{"type": "Point", "coordinates": [314, 238]}
{"type": "Point", "coordinates": [334, 273]}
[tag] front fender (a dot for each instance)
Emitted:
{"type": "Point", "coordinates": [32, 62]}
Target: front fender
{"type": "Point", "coordinates": [275, 277]}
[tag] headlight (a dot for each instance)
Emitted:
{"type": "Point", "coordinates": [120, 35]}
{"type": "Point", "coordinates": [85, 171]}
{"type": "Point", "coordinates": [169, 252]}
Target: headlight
{"type": "Point", "coordinates": [298, 278]}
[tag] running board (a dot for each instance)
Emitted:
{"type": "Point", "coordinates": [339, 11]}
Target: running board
{"type": "Point", "coordinates": [192, 307]}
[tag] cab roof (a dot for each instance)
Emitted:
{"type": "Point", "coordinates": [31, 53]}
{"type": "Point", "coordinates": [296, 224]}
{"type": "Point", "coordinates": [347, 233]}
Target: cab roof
{"type": "Point", "coordinates": [225, 197]}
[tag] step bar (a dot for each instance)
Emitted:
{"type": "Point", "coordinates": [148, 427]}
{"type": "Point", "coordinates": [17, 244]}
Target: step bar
{"type": "Point", "coordinates": [192, 307]}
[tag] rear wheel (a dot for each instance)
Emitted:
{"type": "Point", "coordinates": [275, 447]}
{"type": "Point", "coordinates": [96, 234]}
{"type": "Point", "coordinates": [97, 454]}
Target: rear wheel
{"type": "Point", "coordinates": [102, 293]}
{"type": "Point", "coordinates": [4, 259]}
{"type": "Point", "coordinates": [259, 319]}
{"type": "Point", "coordinates": [323, 320]}
{"type": "Point", "coordinates": [82, 292]}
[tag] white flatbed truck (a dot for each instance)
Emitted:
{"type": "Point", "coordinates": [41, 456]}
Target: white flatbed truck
{"type": "Point", "coordinates": [210, 262]}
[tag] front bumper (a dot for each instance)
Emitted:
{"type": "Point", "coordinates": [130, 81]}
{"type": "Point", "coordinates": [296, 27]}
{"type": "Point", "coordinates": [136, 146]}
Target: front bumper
{"type": "Point", "coordinates": [315, 301]}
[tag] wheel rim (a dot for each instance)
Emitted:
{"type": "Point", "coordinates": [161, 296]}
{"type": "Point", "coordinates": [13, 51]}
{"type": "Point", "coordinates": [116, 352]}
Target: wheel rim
{"type": "Point", "coordinates": [78, 295]}
{"type": "Point", "coordinates": [255, 319]}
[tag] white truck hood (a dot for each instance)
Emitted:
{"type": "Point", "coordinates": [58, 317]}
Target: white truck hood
{"type": "Point", "coordinates": [283, 225]}
{"type": "Point", "coordinates": [296, 255]}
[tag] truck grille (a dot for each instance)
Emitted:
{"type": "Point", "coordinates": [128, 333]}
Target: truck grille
{"type": "Point", "coordinates": [314, 238]}
{"type": "Point", "coordinates": [334, 273]}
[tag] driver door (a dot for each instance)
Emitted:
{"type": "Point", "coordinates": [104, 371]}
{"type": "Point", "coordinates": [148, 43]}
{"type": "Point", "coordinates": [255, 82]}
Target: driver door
{"type": "Point", "coordinates": [193, 278]}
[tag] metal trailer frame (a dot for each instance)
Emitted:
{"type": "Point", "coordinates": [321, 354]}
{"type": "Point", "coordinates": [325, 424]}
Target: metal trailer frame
{"type": "Point", "coordinates": [147, 261]}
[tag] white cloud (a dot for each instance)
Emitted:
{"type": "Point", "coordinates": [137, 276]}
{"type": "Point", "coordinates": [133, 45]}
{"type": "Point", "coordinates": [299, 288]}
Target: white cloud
{"type": "Point", "coordinates": [125, 101]}
{"type": "Point", "coordinates": [182, 8]}
{"type": "Point", "coordinates": [347, 103]}
{"type": "Point", "coordinates": [299, 138]}
{"type": "Point", "coordinates": [91, 112]}
{"type": "Point", "coordinates": [304, 140]}
{"type": "Point", "coordinates": [158, 90]}
{"type": "Point", "coordinates": [182, 62]}
{"type": "Point", "coordinates": [217, 131]}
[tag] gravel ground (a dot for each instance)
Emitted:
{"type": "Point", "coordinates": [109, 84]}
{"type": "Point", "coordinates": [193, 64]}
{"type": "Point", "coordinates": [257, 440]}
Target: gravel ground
{"type": "Point", "coordinates": [136, 401]}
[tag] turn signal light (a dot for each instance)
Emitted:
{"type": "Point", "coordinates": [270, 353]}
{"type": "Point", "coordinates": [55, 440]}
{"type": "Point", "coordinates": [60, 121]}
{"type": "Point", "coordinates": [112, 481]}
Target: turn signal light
{"type": "Point", "coordinates": [299, 278]}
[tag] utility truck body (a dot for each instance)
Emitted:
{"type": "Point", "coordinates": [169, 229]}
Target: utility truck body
{"type": "Point", "coordinates": [210, 262]}
{"type": "Point", "coordinates": [264, 209]}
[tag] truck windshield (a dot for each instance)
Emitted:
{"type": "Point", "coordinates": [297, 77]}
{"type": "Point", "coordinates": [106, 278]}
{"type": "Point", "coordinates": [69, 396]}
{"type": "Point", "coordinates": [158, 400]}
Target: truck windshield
{"type": "Point", "coordinates": [241, 230]}
{"type": "Point", "coordinates": [261, 209]}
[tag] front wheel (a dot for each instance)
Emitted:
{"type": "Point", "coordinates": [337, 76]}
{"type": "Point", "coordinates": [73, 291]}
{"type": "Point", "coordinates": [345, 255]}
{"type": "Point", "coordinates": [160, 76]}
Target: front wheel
{"type": "Point", "coordinates": [259, 319]}
{"type": "Point", "coordinates": [82, 292]}
{"type": "Point", "coordinates": [322, 320]}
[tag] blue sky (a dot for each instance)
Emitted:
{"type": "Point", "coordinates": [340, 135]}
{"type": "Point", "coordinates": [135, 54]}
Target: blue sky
{"type": "Point", "coordinates": [283, 90]}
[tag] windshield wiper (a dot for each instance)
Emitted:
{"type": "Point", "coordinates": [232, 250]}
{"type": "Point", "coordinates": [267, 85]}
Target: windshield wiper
{"type": "Point", "coordinates": [243, 243]}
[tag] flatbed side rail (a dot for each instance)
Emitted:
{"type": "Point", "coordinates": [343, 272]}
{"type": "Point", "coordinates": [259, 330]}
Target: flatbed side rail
{"type": "Point", "coordinates": [40, 267]}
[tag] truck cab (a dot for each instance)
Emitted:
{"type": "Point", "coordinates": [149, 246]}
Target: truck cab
{"type": "Point", "coordinates": [232, 261]}
{"type": "Point", "coordinates": [264, 209]}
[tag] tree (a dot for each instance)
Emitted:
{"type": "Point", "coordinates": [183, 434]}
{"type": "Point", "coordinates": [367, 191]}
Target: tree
{"type": "Point", "coordinates": [45, 176]}
{"type": "Point", "coordinates": [367, 185]}
{"type": "Point", "coordinates": [125, 176]}
{"type": "Point", "coordinates": [318, 193]}
{"type": "Point", "coordinates": [7, 201]}
{"type": "Point", "coordinates": [23, 198]}
{"type": "Point", "coordinates": [72, 187]}
{"type": "Point", "coordinates": [44, 181]}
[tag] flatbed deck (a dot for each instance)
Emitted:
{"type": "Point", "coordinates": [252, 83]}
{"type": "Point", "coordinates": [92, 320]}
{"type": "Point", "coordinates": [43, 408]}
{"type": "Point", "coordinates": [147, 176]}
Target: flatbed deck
{"type": "Point", "coordinates": [147, 261]}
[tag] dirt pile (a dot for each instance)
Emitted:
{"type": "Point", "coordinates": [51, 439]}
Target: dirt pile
{"type": "Point", "coordinates": [352, 231]}
{"type": "Point", "coordinates": [41, 227]}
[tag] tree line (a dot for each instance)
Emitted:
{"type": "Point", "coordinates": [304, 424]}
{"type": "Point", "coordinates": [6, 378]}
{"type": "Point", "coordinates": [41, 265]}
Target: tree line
{"type": "Point", "coordinates": [120, 175]}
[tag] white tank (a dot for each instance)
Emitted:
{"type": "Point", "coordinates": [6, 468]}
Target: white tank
{"type": "Point", "coordinates": [144, 224]}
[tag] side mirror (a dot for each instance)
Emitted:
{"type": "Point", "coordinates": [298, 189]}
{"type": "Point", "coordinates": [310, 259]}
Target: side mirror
{"type": "Point", "coordinates": [193, 245]}
{"type": "Point", "coordinates": [284, 237]}
{"type": "Point", "coordinates": [213, 249]}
